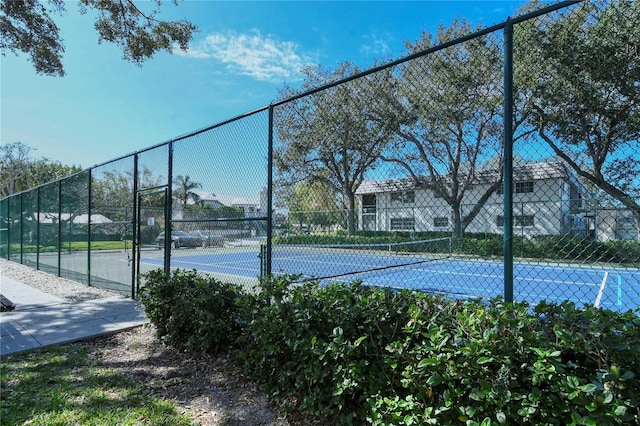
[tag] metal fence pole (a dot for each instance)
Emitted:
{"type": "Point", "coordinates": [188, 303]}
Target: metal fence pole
{"type": "Point", "coordinates": [22, 228]}
{"type": "Point", "coordinates": [168, 200]}
{"type": "Point", "coordinates": [268, 253]}
{"type": "Point", "coordinates": [135, 280]}
{"type": "Point", "coordinates": [59, 228]}
{"type": "Point", "coordinates": [89, 192]}
{"type": "Point", "coordinates": [38, 216]}
{"type": "Point", "coordinates": [508, 162]}
{"type": "Point", "coordinates": [9, 220]}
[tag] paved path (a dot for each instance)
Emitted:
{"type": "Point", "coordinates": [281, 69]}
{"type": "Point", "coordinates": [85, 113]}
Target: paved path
{"type": "Point", "coordinates": [41, 319]}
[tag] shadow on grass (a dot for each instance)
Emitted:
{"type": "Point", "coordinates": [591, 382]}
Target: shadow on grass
{"type": "Point", "coordinates": [63, 385]}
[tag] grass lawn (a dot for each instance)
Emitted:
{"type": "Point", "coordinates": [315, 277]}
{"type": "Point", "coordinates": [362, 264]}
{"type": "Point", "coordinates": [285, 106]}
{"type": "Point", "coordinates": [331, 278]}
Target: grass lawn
{"type": "Point", "coordinates": [64, 386]}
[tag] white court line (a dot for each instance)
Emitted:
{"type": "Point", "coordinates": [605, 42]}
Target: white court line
{"type": "Point", "coordinates": [602, 286]}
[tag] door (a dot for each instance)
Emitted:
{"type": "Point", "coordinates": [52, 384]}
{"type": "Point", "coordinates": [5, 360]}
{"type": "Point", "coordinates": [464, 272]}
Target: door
{"type": "Point", "coordinates": [150, 226]}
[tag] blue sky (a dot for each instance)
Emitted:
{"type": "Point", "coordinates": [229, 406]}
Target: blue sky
{"type": "Point", "coordinates": [243, 53]}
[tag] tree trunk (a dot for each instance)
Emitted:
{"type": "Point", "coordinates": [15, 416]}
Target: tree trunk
{"type": "Point", "coordinates": [457, 222]}
{"type": "Point", "coordinates": [351, 215]}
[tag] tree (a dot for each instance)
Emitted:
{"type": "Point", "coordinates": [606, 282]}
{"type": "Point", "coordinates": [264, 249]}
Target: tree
{"type": "Point", "coordinates": [27, 27]}
{"type": "Point", "coordinates": [183, 190]}
{"type": "Point", "coordinates": [446, 114]}
{"type": "Point", "coordinates": [19, 171]}
{"type": "Point", "coordinates": [581, 74]}
{"type": "Point", "coordinates": [328, 136]}
{"type": "Point", "coordinates": [112, 194]}
{"type": "Point", "coordinates": [313, 203]}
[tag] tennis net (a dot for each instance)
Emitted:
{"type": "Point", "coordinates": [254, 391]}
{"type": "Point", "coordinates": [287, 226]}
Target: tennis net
{"type": "Point", "coordinates": [324, 261]}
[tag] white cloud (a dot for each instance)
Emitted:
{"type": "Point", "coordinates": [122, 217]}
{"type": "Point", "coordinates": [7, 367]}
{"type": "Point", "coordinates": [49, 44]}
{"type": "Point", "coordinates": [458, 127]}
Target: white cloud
{"type": "Point", "coordinates": [377, 46]}
{"type": "Point", "coordinates": [263, 58]}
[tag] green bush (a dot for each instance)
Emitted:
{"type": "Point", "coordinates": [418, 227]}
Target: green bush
{"type": "Point", "coordinates": [192, 312]}
{"type": "Point", "coordinates": [548, 247]}
{"type": "Point", "coordinates": [351, 354]}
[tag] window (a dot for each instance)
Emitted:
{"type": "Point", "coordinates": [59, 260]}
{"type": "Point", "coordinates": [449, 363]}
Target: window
{"type": "Point", "coordinates": [409, 197]}
{"type": "Point", "coordinates": [524, 187]}
{"type": "Point", "coordinates": [406, 197]}
{"type": "Point", "coordinates": [524, 220]}
{"type": "Point", "coordinates": [369, 203]}
{"type": "Point", "coordinates": [369, 200]}
{"type": "Point", "coordinates": [520, 188]}
{"type": "Point", "coordinates": [403, 224]}
{"type": "Point", "coordinates": [440, 222]}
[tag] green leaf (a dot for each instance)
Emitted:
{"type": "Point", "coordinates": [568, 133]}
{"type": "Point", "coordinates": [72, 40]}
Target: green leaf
{"type": "Point", "coordinates": [427, 361]}
{"type": "Point", "coordinates": [360, 340]}
{"type": "Point", "coordinates": [628, 375]}
{"type": "Point", "coordinates": [484, 360]}
{"type": "Point", "coordinates": [588, 388]}
{"type": "Point", "coordinates": [573, 381]}
{"type": "Point", "coordinates": [620, 410]}
{"type": "Point", "coordinates": [608, 396]}
{"type": "Point", "coordinates": [434, 380]}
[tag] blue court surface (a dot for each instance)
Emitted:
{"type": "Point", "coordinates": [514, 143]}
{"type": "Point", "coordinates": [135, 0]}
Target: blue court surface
{"type": "Point", "coordinates": [602, 286]}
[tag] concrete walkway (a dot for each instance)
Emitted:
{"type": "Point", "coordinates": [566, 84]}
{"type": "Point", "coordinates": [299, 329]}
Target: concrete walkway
{"type": "Point", "coordinates": [41, 319]}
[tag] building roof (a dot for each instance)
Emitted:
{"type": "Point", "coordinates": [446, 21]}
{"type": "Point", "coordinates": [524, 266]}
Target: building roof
{"type": "Point", "coordinates": [532, 171]}
{"type": "Point", "coordinates": [228, 200]}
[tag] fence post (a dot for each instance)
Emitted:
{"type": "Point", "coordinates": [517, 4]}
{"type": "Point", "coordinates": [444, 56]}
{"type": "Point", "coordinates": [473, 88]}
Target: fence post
{"type": "Point", "coordinates": [22, 228]}
{"type": "Point", "coordinates": [89, 226]}
{"type": "Point", "coordinates": [508, 162]}
{"type": "Point", "coordinates": [267, 255]}
{"type": "Point", "coordinates": [38, 216]}
{"type": "Point", "coordinates": [135, 270]}
{"type": "Point", "coordinates": [59, 228]}
{"type": "Point", "coordinates": [168, 207]}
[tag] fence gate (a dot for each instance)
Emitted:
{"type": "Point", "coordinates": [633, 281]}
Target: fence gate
{"type": "Point", "coordinates": [150, 232]}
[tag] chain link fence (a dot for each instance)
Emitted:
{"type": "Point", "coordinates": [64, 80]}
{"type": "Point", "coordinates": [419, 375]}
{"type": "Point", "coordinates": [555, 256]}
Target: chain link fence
{"type": "Point", "coordinates": [408, 175]}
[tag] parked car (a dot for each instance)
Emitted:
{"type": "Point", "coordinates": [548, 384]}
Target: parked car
{"type": "Point", "coordinates": [208, 238]}
{"type": "Point", "coordinates": [178, 239]}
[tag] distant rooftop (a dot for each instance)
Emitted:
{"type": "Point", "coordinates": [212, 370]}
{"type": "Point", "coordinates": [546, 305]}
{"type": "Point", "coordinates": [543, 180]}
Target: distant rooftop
{"type": "Point", "coordinates": [532, 171]}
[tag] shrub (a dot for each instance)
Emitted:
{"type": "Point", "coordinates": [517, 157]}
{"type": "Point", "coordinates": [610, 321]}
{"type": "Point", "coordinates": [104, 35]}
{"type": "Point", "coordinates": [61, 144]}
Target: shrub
{"type": "Point", "coordinates": [192, 312]}
{"type": "Point", "coordinates": [351, 354]}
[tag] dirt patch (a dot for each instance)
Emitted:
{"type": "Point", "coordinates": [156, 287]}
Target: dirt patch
{"type": "Point", "coordinates": [209, 389]}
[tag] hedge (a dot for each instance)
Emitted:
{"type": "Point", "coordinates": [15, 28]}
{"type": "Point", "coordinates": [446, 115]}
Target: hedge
{"type": "Point", "coordinates": [350, 354]}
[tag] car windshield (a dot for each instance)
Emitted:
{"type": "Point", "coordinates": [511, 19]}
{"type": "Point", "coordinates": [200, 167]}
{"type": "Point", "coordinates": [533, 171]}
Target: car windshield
{"type": "Point", "coordinates": [179, 233]}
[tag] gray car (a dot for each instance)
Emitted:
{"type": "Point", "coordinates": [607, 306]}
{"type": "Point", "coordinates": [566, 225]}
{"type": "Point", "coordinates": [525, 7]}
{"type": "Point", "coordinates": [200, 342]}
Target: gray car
{"type": "Point", "coordinates": [179, 239]}
{"type": "Point", "coordinates": [208, 238]}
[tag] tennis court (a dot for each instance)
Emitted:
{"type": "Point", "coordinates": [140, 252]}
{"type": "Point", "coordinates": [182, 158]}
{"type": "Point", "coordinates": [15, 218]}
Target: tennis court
{"type": "Point", "coordinates": [607, 287]}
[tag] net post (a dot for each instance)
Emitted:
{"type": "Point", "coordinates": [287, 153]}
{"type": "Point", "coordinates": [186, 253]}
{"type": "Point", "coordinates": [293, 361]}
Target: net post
{"type": "Point", "coordinates": [261, 255]}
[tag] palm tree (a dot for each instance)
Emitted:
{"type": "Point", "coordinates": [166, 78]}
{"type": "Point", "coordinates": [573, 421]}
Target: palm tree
{"type": "Point", "coordinates": [183, 190]}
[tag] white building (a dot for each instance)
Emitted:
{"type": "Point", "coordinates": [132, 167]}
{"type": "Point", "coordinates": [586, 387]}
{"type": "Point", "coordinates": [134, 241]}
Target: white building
{"type": "Point", "coordinates": [613, 223]}
{"type": "Point", "coordinates": [547, 200]}
{"type": "Point", "coordinates": [250, 207]}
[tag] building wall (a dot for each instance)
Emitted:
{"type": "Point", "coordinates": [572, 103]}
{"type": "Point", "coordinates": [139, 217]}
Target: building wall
{"type": "Point", "coordinates": [543, 209]}
{"type": "Point", "coordinates": [615, 224]}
